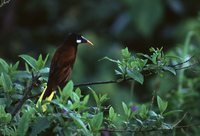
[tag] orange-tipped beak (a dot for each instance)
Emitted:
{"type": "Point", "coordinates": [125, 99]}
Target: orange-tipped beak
{"type": "Point", "coordinates": [90, 43]}
{"type": "Point", "coordinates": [84, 40]}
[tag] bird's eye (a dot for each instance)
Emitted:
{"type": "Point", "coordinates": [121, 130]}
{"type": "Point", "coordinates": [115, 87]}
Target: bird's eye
{"type": "Point", "coordinates": [78, 41]}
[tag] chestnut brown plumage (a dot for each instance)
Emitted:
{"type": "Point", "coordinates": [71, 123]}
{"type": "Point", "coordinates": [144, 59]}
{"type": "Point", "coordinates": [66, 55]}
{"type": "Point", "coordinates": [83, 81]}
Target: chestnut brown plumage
{"type": "Point", "coordinates": [62, 63]}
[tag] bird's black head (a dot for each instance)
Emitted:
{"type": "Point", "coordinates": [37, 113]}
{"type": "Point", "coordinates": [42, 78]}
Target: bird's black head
{"type": "Point", "coordinates": [77, 39]}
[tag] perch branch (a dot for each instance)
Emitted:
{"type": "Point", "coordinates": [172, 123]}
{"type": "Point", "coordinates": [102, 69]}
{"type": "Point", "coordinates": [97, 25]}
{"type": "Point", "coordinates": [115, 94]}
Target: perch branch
{"type": "Point", "coordinates": [102, 82]}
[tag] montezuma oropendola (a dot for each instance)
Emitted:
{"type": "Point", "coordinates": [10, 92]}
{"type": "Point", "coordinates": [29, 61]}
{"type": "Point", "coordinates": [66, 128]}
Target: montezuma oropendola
{"type": "Point", "coordinates": [62, 63]}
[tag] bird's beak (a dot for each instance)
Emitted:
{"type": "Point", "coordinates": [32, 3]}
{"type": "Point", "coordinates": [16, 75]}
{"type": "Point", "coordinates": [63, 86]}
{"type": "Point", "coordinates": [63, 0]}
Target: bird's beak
{"type": "Point", "coordinates": [84, 40]}
{"type": "Point", "coordinates": [89, 42]}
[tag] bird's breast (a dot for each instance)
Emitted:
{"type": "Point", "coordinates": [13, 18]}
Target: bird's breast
{"type": "Point", "coordinates": [69, 54]}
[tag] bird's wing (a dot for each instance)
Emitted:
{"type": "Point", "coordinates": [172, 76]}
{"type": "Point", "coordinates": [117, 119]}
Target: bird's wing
{"type": "Point", "coordinates": [60, 72]}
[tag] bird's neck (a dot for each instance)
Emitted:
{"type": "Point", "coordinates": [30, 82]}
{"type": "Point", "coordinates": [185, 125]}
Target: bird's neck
{"type": "Point", "coordinates": [68, 51]}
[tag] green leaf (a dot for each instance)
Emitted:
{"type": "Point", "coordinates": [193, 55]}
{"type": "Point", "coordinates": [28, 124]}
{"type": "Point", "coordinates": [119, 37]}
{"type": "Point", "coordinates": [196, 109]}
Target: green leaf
{"type": "Point", "coordinates": [125, 107]}
{"type": "Point", "coordinates": [67, 90]}
{"type": "Point", "coordinates": [96, 98]}
{"type": "Point", "coordinates": [143, 112]}
{"type": "Point", "coordinates": [103, 98]}
{"type": "Point", "coordinates": [162, 105]}
{"type": "Point", "coordinates": [15, 66]}
{"type": "Point", "coordinates": [23, 124]}
{"type": "Point", "coordinates": [39, 62]}
{"type": "Point", "coordinates": [39, 125]}
{"type": "Point", "coordinates": [111, 113]}
{"type": "Point", "coordinates": [170, 69]}
{"type": "Point", "coordinates": [173, 57]}
{"type": "Point", "coordinates": [6, 83]}
{"type": "Point", "coordinates": [75, 97]}
{"type": "Point", "coordinates": [4, 117]}
{"type": "Point", "coordinates": [85, 100]}
{"type": "Point", "coordinates": [3, 66]}
{"type": "Point", "coordinates": [139, 121]}
{"type": "Point", "coordinates": [80, 123]}
{"type": "Point", "coordinates": [46, 58]}
{"type": "Point", "coordinates": [172, 112]}
{"type": "Point", "coordinates": [30, 61]}
{"type": "Point", "coordinates": [144, 55]}
{"type": "Point", "coordinates": [112, 60]}
{"type": "Point", "coordinates": [96, 121]}
{"type": "Point", "coordinates": [27, 67]}
{"type": "Point", "coordinates": [9, 131]}
{"type": "Point", "coordinates": [127, 110]}
{"type": "Point", "coordinates": [137, 76]}
{"type": "Point", "coordinates": [78, 92]}
{"type": "Point", "coordinates": [118, 73]}
{"type": "Point", "coordinates": [125, 53]}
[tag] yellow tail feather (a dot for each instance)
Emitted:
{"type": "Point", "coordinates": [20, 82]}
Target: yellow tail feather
{"type": "Point", "coordinates": [49, 99]}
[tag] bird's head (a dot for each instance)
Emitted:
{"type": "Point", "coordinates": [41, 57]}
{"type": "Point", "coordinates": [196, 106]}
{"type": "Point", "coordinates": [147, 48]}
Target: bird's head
{"type": "Point", "coordinates": [78, 39]}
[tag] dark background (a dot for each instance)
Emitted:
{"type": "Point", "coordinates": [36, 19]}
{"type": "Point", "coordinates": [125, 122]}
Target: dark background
{"type": "Point", "coordinates": [39, 26]}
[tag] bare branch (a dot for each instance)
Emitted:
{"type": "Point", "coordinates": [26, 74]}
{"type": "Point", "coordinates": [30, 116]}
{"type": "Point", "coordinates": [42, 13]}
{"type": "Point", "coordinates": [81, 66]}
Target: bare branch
{"type": "Point", "coordinates": [34, 83]}
{"type": "Point", "coordinates": [179, 121]}
{"type": "Point", "coordinates": [181, 63]}
{"type": "Point", "coordinates": [102, 82]}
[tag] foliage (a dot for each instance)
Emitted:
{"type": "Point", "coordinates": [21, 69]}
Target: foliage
{"type": "Point", "coordinates": [70, 112]}
{"type": "Point", "coordinates": [133, 66]}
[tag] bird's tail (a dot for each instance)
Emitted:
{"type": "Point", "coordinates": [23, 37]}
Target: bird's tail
{"type": "Point", "coordinates": [45, 96]}
{"type": "Point", "coordinates": [47, 92]}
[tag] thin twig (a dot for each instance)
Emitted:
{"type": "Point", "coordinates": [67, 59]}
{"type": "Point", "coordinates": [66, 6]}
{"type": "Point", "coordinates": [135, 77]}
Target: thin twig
{"type": "Point", "coordinates": [179, 121]}
{"type": "Point", "coordinates": [154, 94]}
{"type": "Point", "coordinates": [187, 67]}
{"type": "Point", "coordinates": [153, 99]}
{"type": "Point", "coordinates": [26, 94]}
{"type": "Point", "coordinates": [102, 82]}
{"type": "Point", "coordinates": [90, 84]}
{"type": "Point", "coordinates": [181, 63]}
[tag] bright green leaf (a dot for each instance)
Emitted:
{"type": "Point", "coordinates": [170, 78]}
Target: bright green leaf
{"type": "Point", "coordinates": [75, 97]}
{"type": "Point", "coordinates": [137, 76]}
{"type": "Point", "coordinates": [85, 100]}
{"type": "Point", "coordinates": [96, 121]}
{"type": "Point", "coordinates": [96, 98]}
{"type": "Point", "coordinates": [3, 66]}
{"type": "Point", "coordinates": [30, 61]}
{"type": "Point", "coordinates": [162, 105]}
{"type": "Point", "coordinates": [40, 62]}
{"type": "Point", "coordinates": [78, 92]}
{"type": "Point", "coordinates": [143, 112]}
{"type": "Point", "coordinates": [125, 107]}
{"type": "Point", "coordinates": [6, 82]}
{"type": "Point", "coordinates": [67, 90]}
{"type": "Point", "coordinates": [125, 53]}
{"type": "Point", "coordinates": [112, 114]}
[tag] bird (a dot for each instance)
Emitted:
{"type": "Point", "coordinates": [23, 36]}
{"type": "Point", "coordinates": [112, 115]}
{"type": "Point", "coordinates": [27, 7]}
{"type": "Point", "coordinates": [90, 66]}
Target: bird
{"type": "Point", "coordinates": [62, 63]}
